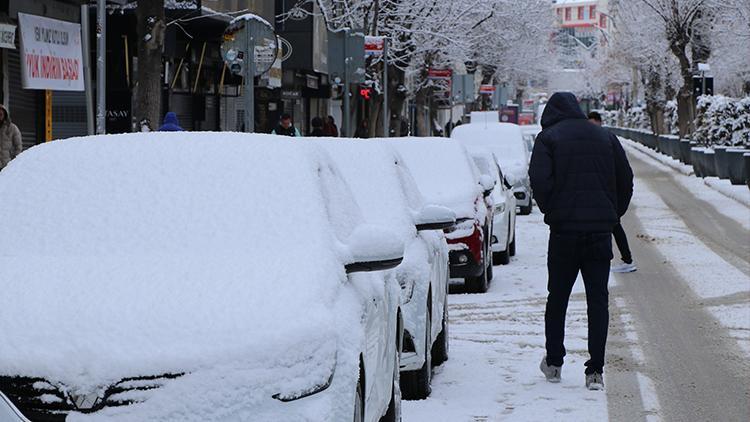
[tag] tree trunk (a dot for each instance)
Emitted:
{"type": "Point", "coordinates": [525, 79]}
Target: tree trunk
{"type": "Point", "coordinates": [150, 29]}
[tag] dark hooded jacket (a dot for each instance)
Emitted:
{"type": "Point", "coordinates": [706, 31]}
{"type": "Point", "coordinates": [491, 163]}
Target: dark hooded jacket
{"type": "Point", "coordinates": [170, 123]}
{"type": "Point", "coordinates": [579, 173]}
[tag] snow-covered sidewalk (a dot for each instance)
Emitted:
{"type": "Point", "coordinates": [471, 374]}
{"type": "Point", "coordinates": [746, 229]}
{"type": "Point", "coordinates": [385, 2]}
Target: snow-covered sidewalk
{"type": "Point", "coordinates": [497, 342]}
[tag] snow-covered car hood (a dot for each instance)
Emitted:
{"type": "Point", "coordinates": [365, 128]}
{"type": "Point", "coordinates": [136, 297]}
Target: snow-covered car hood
{"type": "Point", "coordinates": [88, 322]}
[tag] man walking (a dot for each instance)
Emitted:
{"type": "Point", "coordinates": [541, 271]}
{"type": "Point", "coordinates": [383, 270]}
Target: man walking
{"type": "Point", "coordinates": [10, 138]}
{"type": "Point", "coordinates": [582, 183]}
{"type": "Point", "coordinates": [285, 126]}
{"type": "Point", "coordinates": [621, 239]}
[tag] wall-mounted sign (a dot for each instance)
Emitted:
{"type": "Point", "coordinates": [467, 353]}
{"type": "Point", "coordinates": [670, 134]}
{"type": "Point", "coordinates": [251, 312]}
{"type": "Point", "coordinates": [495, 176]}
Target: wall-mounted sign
{"type": "Point", "coordinates": [51, 54]}
{"type": "Point", "coordinates": [291, 94]}
{"type": "Point", "coordinates": [7, 36]}
{"type": "Point", "coordinates": [374, 46]}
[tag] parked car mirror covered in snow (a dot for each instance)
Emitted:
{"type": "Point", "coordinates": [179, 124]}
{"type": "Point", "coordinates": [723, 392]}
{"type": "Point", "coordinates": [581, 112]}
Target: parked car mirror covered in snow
{"type": "Point", "coordinates": [374, 248]}
{"type": "Point", "coordinates": [435, 217]}
{"type": "Point", "coordinates": [487, 184]}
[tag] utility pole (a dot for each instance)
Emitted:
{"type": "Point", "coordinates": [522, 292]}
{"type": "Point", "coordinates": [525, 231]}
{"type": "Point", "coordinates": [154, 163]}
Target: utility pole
{"type": "Point", "coordinates": [386, 113]}
{"type": "Point", "coordinates": [85, 34]}
{"type": "Point", "coordinates": [101, 69]}
{"type": "Point", "coordinates": [249, 80]}
{"type": "Point", "coordinates": [345, 114]}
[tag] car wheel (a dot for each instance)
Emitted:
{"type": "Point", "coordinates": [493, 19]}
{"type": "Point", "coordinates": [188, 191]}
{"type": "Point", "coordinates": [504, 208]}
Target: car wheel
{"type": "Point", "coordinates": [512, 247]}
{"type": "Point", "coordinates": [477, 284]}
{"type": "Point", "coordinates": [501, 258]}
{"type": "Point", "coordinates": [525, 210]}
{"type": "Point", "coordinates": [394, 406]}
{"type": "Point", "coordinates": [415, 385]}
{"type": "Point", "coordinates": [440, 347]}
{"type": "Point", "coordinates": [359, 408]}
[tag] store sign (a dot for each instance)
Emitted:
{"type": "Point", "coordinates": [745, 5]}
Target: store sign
{"type": "Point", "coordinates": [51, 54]}
{"type": "Point", "coordinates": [374, 46]}
{"type": "Point", "coordinates": [291, 94]}
{"type": "Point", "coordinates": [439, 74]}
{"type": "Point", "coordinates": [487, 89]}
{"type": "Point", "coordinates": [7, 36]}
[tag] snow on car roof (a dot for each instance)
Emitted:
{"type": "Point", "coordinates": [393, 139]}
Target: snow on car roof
{"type": "Point", "coordinates": [443, 170]}
{"type": "Point", "coordinates": [144, 254]}
{"type": "Point", "coordinates": [504, 139]}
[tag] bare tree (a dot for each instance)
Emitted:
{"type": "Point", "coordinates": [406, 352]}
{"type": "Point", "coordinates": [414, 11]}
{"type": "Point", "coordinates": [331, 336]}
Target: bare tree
{"type": "Point", "coordinates": [150, 30]}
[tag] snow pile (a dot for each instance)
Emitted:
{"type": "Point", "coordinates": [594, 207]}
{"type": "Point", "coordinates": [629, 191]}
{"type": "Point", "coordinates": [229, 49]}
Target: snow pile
{"type": "Point", "coordinates": [443, 171]}
{"type": "Point", "coordinates": [723, 121]}
{"type": "Point", "coordinates": [145, 254]}
{"type": "Point", "coordinates": [636, 118]}
{"type": "Point", "coordinates": [505, 140]}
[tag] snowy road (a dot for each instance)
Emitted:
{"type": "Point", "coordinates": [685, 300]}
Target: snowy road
{"type": "Point", "coordinates": [679, 328]}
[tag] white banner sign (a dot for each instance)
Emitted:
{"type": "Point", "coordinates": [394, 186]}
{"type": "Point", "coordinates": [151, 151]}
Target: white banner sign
{"type": "Point", "coordinates": [51, 54]}
{"type": "Point", "coordinates": [7, 36]}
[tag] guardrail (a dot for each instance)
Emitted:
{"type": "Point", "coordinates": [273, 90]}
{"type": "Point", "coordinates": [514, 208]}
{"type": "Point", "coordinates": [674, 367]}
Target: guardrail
{"type": "Point", "coordinates": [724, 162]}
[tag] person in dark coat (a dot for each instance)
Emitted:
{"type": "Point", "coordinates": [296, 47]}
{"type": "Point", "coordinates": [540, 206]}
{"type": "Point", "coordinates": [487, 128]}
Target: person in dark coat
{"type": "Point", "coordinates": [583, 183]}
{"type": "Point", "coordinates": [621, 239]}
{"type": "Point", "coordinates": [363, 131]}
{"type": "Point", "coordinates": [317, 127]}
{"type": "Point", "coordinates": [330, 128]}
{"type": "Point", "coordinates": [170, 123]}
{"type": "Point", "coordinates": [285, 126]}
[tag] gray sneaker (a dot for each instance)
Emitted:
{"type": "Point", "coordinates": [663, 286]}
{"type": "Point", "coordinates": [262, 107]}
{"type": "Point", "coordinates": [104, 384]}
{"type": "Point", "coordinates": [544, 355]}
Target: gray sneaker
{"type": "Point", "coordinates": [550, 371]}
{"type": "Point", "coordinates": [595, 381]}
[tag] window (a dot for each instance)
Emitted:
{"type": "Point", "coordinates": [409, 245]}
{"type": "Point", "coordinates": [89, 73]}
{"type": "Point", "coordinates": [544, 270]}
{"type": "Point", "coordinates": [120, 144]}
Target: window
{"type": "Point", "coordinates": [567, 13]}
{"type": "Point", "coordinates": [602, 21]}
{"type": "Point", "coordinates": [592, 12]}
{"type": "Point", "coordinates": [585, 13]}
{"type": "Point", "coordinates": [580, 13]}
{"type": "Point", "coordinates": [559, 13]}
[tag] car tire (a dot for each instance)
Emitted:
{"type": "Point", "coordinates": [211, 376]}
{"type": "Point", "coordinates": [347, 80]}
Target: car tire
{"type": "Point", "coordinates": [525, 210]}
{"type": "Point", "coordinates": [441, 346]}
{"type": "Point", "coordinates": [359, 403]}
{"type": "Point", "coordinates": [502, 258]}
{"type": "Point", "coordinates": [477, 284]}
{"type": "Point", "coordinates": [415, 385]}
{"type": "Point", "coordinates": [393, 414]}
{"type": "Point", "coordinates": [512, 247]}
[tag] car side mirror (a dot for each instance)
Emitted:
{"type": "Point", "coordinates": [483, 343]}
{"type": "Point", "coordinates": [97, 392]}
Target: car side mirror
{"type": "Point", "coordinates": [510, 179]}
{"type": "Point", "coordinates": [373, 248]}
{"type": "Point", "coordinates": [487, 183]}
{"type": "Point", "coordinates": [435, 217]}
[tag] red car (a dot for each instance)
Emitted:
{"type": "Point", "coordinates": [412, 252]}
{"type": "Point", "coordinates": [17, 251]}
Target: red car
{"type": "Point", "coordinates": [447, 176]}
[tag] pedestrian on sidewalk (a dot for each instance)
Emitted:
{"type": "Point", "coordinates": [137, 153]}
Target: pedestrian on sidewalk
{"type": "Point", "coordinates": [621, 239]}
{"type": "Point", "coordinates": [317, 127]}
{"type": "Point", "coordinates": [583, 183]}
{"type": "Point", "coordinates": [286, 127]}
{"type": "Point", "coordinates": [171, 124]}
{"type": "Point", "coordinates": [10, 138]}
{"type": "Point", "coordinates": [330, 128]}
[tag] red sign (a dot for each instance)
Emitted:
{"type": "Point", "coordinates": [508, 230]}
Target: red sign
{"type": "Point", "coordinates": [365, 93]}
{"type": "Point", "coordinates": [487, 89]}
{"type": "Point", "coordinates": [526, 119]}
{"type": "Point", "coordinates": [374, 46]}
{"type": "Point", "coordinates": [439, 74]}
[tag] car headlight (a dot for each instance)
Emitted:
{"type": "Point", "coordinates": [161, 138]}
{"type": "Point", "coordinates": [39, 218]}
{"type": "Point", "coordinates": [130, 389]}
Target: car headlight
{"type": "Point", "coordinates": [315, 387]}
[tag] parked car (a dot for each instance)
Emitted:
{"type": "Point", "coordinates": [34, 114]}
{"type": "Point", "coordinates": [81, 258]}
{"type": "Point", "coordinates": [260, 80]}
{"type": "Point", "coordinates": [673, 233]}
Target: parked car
{"type": "Point", "coordinates": [194, 277]}
{"type": "Point", "coordinates": [447, 176]}
{"type": "Point", "coordinates": [504, 222]}
{"type": "Point", "coordinates": [388, 196]}
{"type": "Point", "coordinates": [529, 136]}
{"type": "Point", "coordinates": [506, 141]}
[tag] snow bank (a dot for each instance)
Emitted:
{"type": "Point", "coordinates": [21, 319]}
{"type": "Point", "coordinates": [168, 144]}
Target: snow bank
{"type": "Point", "coordinates": [443, 171]}
{"type": "Point", "coordinates": [144, 254]}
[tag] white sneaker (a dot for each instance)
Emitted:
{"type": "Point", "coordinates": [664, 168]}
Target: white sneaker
{"type": "Point", "coordinates": [595, 381]}
{"type": "Point", "coordinates": [624, 268]}
{"type": "Point", "coordinates": [552, 373]}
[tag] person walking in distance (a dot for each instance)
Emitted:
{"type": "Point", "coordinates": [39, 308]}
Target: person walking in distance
{"type": "Point", "coordinates": [286, 127]}
{"type": "Point", "coordinates": [317, 127]}
{"type": "Point", "coordinates": [10, 138]}
{"type": "Point", "coordinates": [583, 183]}
{"type": "Point", "coordinates": [621, 239]}
{"type": "Point", "coordinates": [330, 128]}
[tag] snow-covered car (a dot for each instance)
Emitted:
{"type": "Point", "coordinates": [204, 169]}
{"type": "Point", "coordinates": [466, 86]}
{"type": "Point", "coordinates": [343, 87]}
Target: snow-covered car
{"type": "Point", "coordinates": [446, 175]}
{"type": "Point", "coordinates": [506, 141]}
{"type": "Point", "coordinates": [504, 221]}
{"type": "Point", "coordinates": [194, 277]}
{"type": "Point", "coordinates": [388, 196]}
{"type": "Point", "coordinates": [529, 135]}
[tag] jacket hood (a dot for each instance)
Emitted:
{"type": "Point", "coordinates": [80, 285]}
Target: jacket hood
{"type": "Point", "coordinates": [171, 123]}
{"type": "Point", "coordinates": [7, 115]}
{"type": "Point", "coordinates": [561, 106]}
